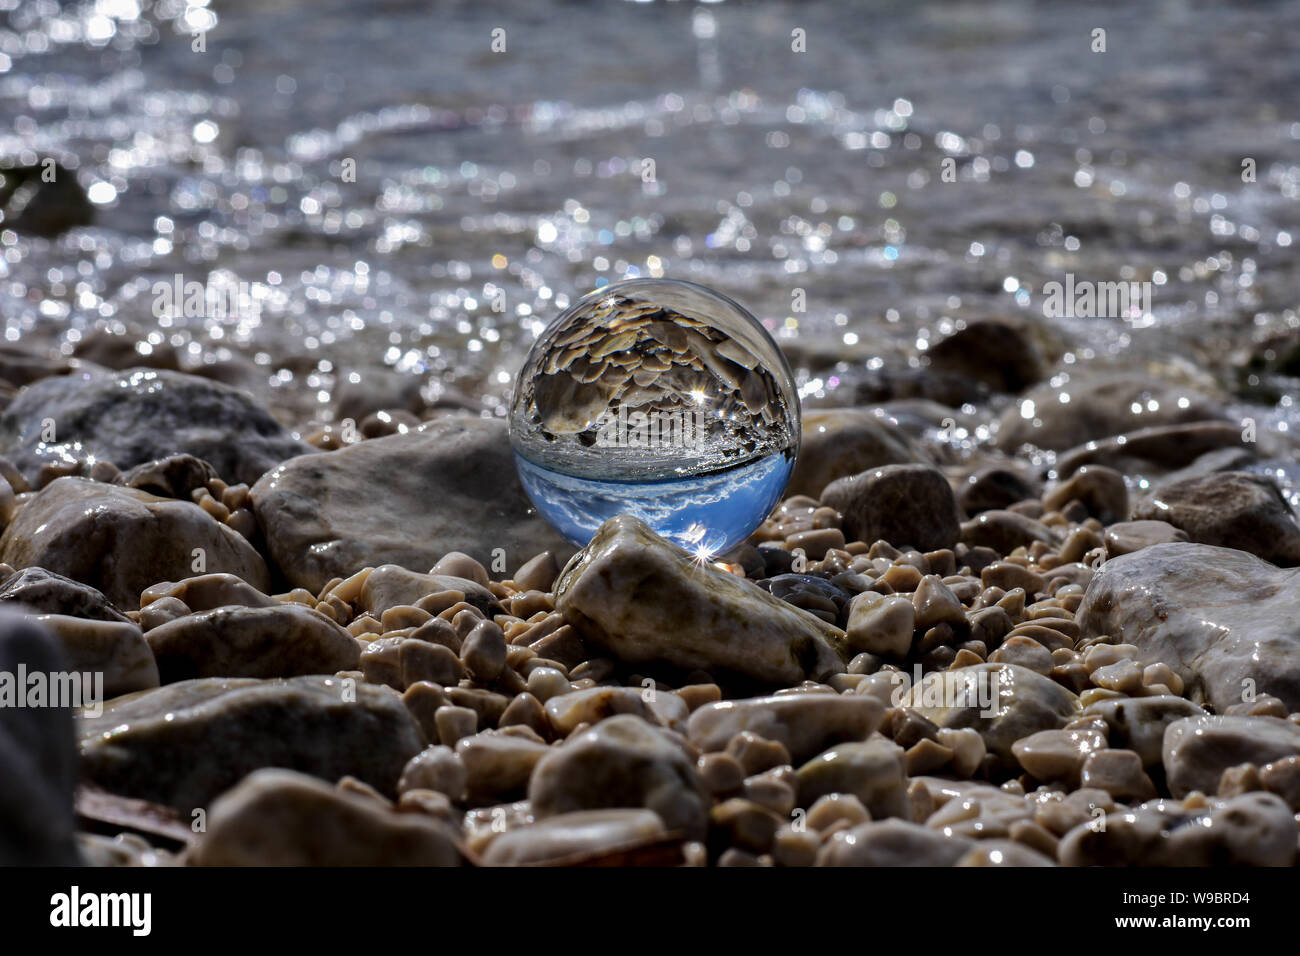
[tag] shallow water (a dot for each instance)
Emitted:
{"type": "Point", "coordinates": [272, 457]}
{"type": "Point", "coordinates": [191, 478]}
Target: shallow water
{"type": "Point", "coordinates": [491, 189]}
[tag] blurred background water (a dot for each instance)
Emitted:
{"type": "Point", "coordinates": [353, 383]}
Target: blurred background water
{"type": "Point", "coordinates": [493, 188]}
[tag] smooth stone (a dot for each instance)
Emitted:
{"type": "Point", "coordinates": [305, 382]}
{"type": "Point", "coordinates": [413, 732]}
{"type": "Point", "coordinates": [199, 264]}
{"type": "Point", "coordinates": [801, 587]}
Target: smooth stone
{"type": "Point", "coordinates": [498, 766]}
{"type": "Point", "coordinates": [874, 771]}
{"type": "Point", "coordinates": [1100, 489]}
{"type": "Point", "coordinates": [400, 661]}
{"type": "Point", "coordinates": [643, 599]}
{"type": "Point", "coordinates": [38, 753]}
{"type": "Point", "coordinates": [1254, 829]}
{"type": "Point", "coordinates": [121, 540]}
{"type": "Point", "coordinates": [116, 649]}
{"type": "Point", "coordinates": [279, 817]}
{"type": "Point", "coordinates": [1197, 750]}
{"type": "Point", "coordinates": [1120, 773]}
{"type": "Point", "coordinates": [578, 834]}
{"type": "Point", "coordinates": [1098, 407]}
{"type": "Point", "coordinates": [1196, 447]}
{"type": "Point", "coordinates": [837, 442]}
{"type": "Point", "coordinates": [994, 487]}
{"type": "Point", "coordinates": [366, 390]}
{"type": "Point", "coordinates": [1004, 531]}
{"type": "Point", "coordinates": [45, 592]}
{"type": "Point", "coordinates": [44, 200]}
{"type": "Point", "coordinates": [1230, 510]}
{"type": "Point", "coordinates": [1125, 537]}
{"type": "Point", "coordinates": [880, 625]}
{"type": "Point", "coordinates": [594, 704]}
{"type": "Point", "coordinates": [805, 724]}
{"type": "Point", "coordinates": [144, 745]}
{"type": "Point", "coordinates": [435, 768]}
{"type": "Point", "coordinates": [287, 640]}
{"type": "Point", "coordinates": [389, 586]}
{"type": "Point", "coordinates": [622, 762]}
{"type": "Point", "coordinates": [892, 842]}
{"type": "Point", "coordinates": [1004, 853]}
{"type": "Point", "coordinates": [139, 415]}
{"type": "Point", "coordinates": [204, 592]}
{"type": "Point", "coordinates": [1139, 723]}
{"type": "Point", "coordinates": [906, 505]}
{"type": "Point", "coordinates": [1052, 755]}
{"type": "Point", "coordinates": [1225, 621]}
{"type": "Point", "coordinates": [999, 354]}
{"type": "Point", "coordinates": [403, 500]}
{"type": "Point", "coordinates": [1003, 702]}
{"type": "Point", "coordinates": [176, 476]}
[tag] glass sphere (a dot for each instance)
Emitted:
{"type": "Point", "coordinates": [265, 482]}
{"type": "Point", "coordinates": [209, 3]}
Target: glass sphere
{"type": "Point", "coordinates": [661, 399]}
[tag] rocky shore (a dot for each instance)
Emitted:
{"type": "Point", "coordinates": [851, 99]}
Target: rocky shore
{"type": "Point", "coordinates": [333, 648]}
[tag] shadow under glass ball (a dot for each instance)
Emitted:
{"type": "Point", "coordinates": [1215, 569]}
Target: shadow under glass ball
{"type": "Point", "coordinates": [662, 399]}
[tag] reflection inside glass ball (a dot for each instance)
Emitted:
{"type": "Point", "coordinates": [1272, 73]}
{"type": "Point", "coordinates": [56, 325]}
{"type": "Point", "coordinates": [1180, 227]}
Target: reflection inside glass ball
{"type": "Point", "coordinates": [657, 398]}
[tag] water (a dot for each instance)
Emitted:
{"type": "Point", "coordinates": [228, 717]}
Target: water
{"type": "Point", "coordinates": [662, 399]}
{"type": "Point", "coordinates": [707, 514]}
{"type": "Point", "coordinates": [481, 175]}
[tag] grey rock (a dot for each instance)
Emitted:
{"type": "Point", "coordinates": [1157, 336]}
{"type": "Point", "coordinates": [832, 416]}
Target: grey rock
{"type": "Point", "coordinates": [120, 540]}
{"type": "Point", "coordinates": [622, 762]}
{"type": "Point", "coordinates": [288, 640]}
{"type": "Point", "coordinates": [838, 442]}
{"type": "Point", "coordinates": [184, 744]}
{"type": "Point", "coordinates": [1197, 750]}
{"type": "Point", "coordinates": [48, 593]}
{"type": "Point", "coordinates": [140, 415]}
{"type": "Point", "coordinates": [805, 724]}
{"type": "Point", "coordinates": [403, 500]}
{"type": "Point", "coordinates": [892, 843]}
{"type": "Point", "coordinates": [116, 649]}
{"type": "Point", "coordinates": [1227, 622]}
{"type": "Point", "coordinates": [1231, 510]}
{"type": "Point", "coordinates": [282, 818]}
{"type": "Point", "coordinates": [643, 599]}
{"type": "Point", "coordinates": [579, 834]}
{"type": "Point", "coordinates": [1003, 702]}
{"type": "Point", "coordinates": [903, 504]}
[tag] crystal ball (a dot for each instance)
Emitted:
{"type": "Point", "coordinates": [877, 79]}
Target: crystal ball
{"type": "Point", "coordinates": [661, 399]}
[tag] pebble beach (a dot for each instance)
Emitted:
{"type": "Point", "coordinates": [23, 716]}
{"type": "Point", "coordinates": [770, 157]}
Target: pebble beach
{"type": "Point", "coordinates": [1030, 596]}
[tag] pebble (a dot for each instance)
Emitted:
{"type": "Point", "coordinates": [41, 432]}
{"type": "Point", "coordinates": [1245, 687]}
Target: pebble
{"type": "Point", "coordinates": [74, 527]}
{"type": "Point", "coordinates": [1058, 755]}
{"type": "Point", "coordinates": [324, 515]}
{"type": "Point", "coordinates": [116, 649]}
{"type": "Point", "coordinates": [143, 745]}
{"type": "Point", "coordinates": [42, 591]}
{"type": "Point", "coordinates": [1125, 537]}
{"type": "Point", "coordinates": [994, 487]}
{"type": "Point", "coordinates": [903, 504]}
{"type": "Point", "coordinates": [1222, 619]}
{"type": "Point", "coordinates": [1101, 490]}
{"type": "Point", "coordinates": [1229, 510]}
{"type": "Point", "coordinates": [278, 817]}
{"type": "Point", "coordinates": [140, 415]}
{"type": "Point", "coordinates": [622, 762]}
{"type": "Point", "coordinates": [204, 592]}
{"type": "Point", "coordinates": [1254, 829]}
{"type": "Point", "coordinates": [1019, 701]}
{"type": "Point", "coordinates": [437, 768]}
{"type": "Point", "coordinates": [498, 766]}
{"type": "Point", "coordinates": [892, 842]}
{"type": "Point", "coordinates": [804, 723]}
{"type": "Point", "coordinates": [1120, 773]}
{"type": "Point", "coordinates": [576, 835]}
{"type": "Point", "coordinates": [1197, 750]}
{"type": "Point", "coordinates": [639, 598]}
{"type": "Point", "coordinates": [880, 625]}
{"type": "Point", "coordinates": [1139, 723]}
{"type": "Point", "coordinates": [286, 640]}
{"type": "Point", "coordinates": [837, 442]}
{"type": "Point", "coordinates": [1004, 531]}
{"type": "Point", "coordinates": [569, 710]}
{"type": "Point", "coordinates": [874, 771]}
{"type": "Point", "coordinates": [404, 661]}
